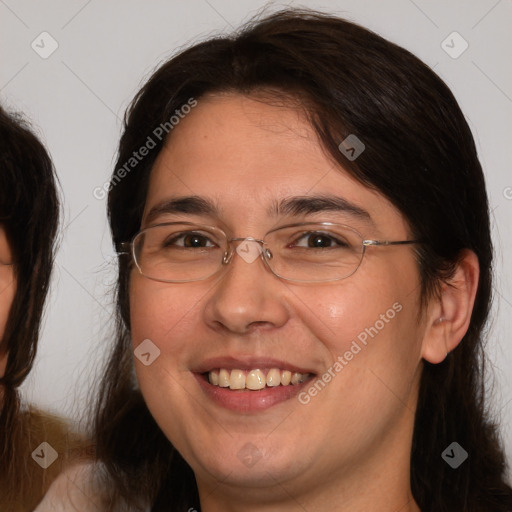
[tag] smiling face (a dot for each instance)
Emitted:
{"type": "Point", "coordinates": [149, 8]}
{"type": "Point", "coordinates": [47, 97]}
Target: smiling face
{"type": "Point", "coordinates": [7, 290]}
{"type": "Point", "coordinates": [355, 343]}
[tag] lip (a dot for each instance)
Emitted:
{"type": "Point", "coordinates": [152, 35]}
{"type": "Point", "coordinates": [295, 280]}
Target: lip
{"type": "Point", "coordinates": [248, 401]}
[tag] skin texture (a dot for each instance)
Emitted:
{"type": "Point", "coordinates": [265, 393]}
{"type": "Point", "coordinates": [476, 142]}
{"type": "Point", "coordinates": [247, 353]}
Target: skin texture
{"type": "Point", "coordinates": [7, 291]}
{"type": "Point", "coordinates": [351, 443]}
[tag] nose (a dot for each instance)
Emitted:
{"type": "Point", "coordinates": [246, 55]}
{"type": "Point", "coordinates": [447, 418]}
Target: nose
{"type": "Point", "coordinates": [247, 295]}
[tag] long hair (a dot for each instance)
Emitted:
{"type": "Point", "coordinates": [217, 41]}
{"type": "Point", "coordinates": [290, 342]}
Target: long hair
{"type": "Point", "coordinates": [420, 154]}
{"type": "Point", "coordinates": [29, 213]}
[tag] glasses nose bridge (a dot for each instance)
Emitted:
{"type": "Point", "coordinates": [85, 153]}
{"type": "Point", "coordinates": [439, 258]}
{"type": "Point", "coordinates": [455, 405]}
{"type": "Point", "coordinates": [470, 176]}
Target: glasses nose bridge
{"type": "Point", "coordinates": [231, 249]}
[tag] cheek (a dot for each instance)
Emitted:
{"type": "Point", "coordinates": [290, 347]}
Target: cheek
{"type": "Point", "coordinates": [368, 324]}
{"type": "Point", "coordinates": [154, 308]}
{"type": "Point", "coordinates": [166, 315]}
{"type": "Point", "coordinates": [373, 341]}
{"type": "Point", "coordinates": [7, 292]}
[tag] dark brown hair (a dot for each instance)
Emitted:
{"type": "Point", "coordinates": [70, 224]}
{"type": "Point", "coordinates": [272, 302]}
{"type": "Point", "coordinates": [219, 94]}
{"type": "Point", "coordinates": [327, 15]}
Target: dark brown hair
{"type": "Point", "coordinates": [29, 212]}
{"type": "Point", "coordinates": [419, 154]}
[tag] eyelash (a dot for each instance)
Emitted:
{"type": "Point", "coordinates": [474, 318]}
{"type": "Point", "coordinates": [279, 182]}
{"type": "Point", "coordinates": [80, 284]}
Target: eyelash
{"type": "Point", "coordinates": [182, 237]}
{"type": "Point", "coordinates": [322, 234]}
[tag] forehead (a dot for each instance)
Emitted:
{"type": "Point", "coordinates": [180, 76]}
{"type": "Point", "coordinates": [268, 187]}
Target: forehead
{"type": "Point", "coordinates": [237, 137]}
{"type": "Point", "coordinates": [246, 154]}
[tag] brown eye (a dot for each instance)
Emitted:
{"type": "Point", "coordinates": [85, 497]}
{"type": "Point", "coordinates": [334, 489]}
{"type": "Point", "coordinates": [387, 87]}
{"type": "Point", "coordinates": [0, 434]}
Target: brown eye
{"type": "Point", "coordinates": [319, 241]}
{"type": "Point", "coordinates": [189, 240]}
{"type": "Point", "coordinates": [193, 240]}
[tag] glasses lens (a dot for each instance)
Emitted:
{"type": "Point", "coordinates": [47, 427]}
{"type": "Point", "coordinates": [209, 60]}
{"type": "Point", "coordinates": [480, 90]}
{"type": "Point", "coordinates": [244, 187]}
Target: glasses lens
{"type": "Point", "coordinates": [315, 252]}
{"type": "Point", "coordinates": [178, 252]}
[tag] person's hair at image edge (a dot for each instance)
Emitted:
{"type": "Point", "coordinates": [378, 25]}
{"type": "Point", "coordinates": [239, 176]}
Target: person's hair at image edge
{"type": "Point", "coordinates": [29, 214]}
{"type": "Point", "coordinates": [420, 154]}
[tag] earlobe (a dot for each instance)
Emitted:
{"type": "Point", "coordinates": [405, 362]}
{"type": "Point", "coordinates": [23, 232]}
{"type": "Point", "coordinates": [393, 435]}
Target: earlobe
{"type": "Point", "coordinates": [449, 314]}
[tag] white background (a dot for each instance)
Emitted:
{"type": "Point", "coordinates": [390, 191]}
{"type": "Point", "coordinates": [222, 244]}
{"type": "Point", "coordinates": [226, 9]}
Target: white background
{"type": "Point", "coordinates": [77, 96]}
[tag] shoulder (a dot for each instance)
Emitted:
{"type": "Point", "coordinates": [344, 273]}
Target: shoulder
{"type": "Point", "coordinates": [41, 445]}
{"type": "Point", "coordinates": [72, 490]}
{"type": "Point", "coordinates": [83, 487]}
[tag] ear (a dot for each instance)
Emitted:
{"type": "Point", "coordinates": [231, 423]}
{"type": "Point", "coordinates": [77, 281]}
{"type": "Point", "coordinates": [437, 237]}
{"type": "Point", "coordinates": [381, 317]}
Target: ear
{"type": "Point", "coordinates": [449, 315]}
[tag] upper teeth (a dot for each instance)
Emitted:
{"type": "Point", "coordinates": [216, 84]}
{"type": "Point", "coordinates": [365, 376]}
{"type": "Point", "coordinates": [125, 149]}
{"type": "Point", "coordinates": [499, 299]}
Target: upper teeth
{"type": "Point", "coordinates": [254, 379]}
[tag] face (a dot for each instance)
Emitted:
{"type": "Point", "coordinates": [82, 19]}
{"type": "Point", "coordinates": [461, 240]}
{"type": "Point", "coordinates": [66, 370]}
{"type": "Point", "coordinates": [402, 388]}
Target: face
{"type": "Point", "coordinates": [355, 343]}
{"type": "Point", "coordinates": [7, 290]}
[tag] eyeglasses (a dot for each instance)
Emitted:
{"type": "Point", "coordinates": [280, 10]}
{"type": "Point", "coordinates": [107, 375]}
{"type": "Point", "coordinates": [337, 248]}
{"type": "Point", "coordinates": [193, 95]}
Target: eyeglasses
{"type": "Point", "coordinates": [181, 252]}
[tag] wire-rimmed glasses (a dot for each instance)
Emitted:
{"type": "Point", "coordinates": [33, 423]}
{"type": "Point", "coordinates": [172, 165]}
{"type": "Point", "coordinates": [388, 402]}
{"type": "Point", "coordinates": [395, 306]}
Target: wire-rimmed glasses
{"type": "Point", "coordinates": [182, 252]}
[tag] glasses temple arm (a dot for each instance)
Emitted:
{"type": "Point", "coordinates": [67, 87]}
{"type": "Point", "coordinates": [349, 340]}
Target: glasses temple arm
{"type": "Point", "coordinates": [124, 248]}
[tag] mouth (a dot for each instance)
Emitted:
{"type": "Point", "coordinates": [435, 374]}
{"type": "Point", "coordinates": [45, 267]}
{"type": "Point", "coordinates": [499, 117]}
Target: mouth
{"type": "Point", "coordinates": [255, 379]}
{"type": "Point", "coordinates": [251, 385]}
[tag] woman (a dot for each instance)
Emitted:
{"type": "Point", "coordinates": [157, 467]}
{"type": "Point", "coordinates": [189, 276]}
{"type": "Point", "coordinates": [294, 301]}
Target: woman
{"type": "Point", "coordinates": [29, 212]}
{"type": "Point", "coordinates": [304, 279]}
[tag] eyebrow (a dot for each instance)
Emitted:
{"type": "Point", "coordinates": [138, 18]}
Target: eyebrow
{"type": "Point", "coordinates": [305, 205]}
{"type": "Point", "coordinates": [192, 205]}
{"type": "Point", "coordinates": [292, 206]}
